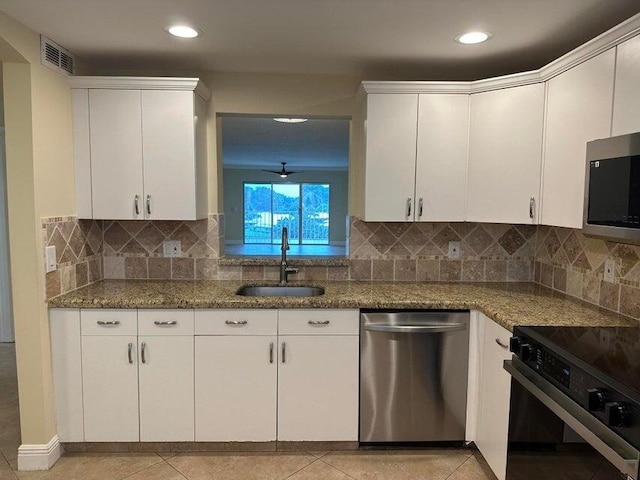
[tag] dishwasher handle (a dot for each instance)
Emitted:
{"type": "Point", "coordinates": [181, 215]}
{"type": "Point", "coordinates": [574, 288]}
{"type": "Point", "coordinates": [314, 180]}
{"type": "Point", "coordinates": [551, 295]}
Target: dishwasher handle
{"type": "Point", "coordinates": [434, 328]}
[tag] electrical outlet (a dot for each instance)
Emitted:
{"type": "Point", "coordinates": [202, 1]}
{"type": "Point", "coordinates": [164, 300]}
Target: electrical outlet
{"type": "Point", "coordinates": [454, 250]}
{"type": "Point", "coordinates": [172, 248]}
{"type": "Point", "coordinates": [609, 271]}
{"type": "Point", "coordinates": [50, 258]}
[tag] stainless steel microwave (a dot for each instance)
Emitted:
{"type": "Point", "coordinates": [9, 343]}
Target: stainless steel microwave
{"type": "Point", "coordinates": [612, 188]}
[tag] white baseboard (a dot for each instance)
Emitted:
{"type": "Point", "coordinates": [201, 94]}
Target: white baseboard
{"type": "Point", "coordinates": [39, 457]}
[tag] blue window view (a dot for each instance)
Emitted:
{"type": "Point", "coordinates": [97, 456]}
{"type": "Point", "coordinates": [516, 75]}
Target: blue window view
{"type": "Point", "coordinates": [301, 207]}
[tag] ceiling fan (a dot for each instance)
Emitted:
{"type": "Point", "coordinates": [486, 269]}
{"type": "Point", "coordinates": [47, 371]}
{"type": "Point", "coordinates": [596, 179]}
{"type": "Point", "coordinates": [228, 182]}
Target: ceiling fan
{"type": "Point", "coordinates": [283, 172]}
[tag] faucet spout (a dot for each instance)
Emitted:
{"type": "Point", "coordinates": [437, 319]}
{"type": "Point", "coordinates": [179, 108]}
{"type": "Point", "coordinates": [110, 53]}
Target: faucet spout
{"type": "Point", "coordinates": [285, 269]}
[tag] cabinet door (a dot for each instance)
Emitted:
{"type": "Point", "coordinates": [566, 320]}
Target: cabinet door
{"type": "Point", "coordinates": [236, 378]}
{"type": "Point", "coordinates": [168, 140]}
{"type": "Point", "coordinates": [495, 393]}
{"type": "Point", "coordinates": [626, 103]}
{"type": "Point", "coordinates": [441, 166]}
{"type": "Point", "coordinates": [318, 388]}
{"type": "Point", "coordinates": [505, 152]}
{"type": "Point", "coordinates": [390, 157]}
{"type": "Point", "coordinates": [116, 154]}
{"type": "Point", "coordinates": [166, 388]}
{"type": "Point", "coordinates": [578, 111]}
{"type": "Point", "coordinates": [110, 388]}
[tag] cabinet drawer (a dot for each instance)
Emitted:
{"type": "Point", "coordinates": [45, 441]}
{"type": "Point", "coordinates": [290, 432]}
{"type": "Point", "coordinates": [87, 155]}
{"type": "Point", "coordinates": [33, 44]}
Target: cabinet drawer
{"type": "Point", "coordinates": [105, 321]}
{"type": "Point", "coordinates": [497, 340]}
{"type": "Point", "coordinates": [165, 322]}
{"type": "Point", "coordinates": [319, 321]}
{"type": "Point", "coordinates": [236, 322]}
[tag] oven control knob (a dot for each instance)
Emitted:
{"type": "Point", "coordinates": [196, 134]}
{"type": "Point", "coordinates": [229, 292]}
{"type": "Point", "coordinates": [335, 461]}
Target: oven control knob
{"type": "Point", "coordinates": [526, 352]}
{"type": "Point", "coordinates": [597, 399]}
{"type": "Point", "coordinates": [514, 345]}
{"type": "Point", "coordinates": [616, 414]}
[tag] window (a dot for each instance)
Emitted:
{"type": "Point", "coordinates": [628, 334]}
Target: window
{"type": "Point", "coordinates": [301, 207]}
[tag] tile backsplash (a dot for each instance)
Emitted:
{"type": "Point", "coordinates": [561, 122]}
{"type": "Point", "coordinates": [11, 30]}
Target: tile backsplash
{"type": "Point", "coordinates": [559, 258]}
{"type": "Point", "coordinates": [79, 250]}
{"type": "Point", "coordinates": [571, 262]}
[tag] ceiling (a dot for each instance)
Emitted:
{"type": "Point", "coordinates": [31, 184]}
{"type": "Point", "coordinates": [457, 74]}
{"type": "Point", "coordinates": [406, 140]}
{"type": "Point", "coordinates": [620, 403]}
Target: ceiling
{"type": "Point", "coordinates": [374, 39]}
{"type": "Point", "coordinates": [262, 143]}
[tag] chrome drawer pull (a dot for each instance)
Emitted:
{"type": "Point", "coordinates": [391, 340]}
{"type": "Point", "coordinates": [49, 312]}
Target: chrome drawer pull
{"type": "Point", "coordinates": [271, 352]}
{"type": "Point", "coordinates": [148, 204]}
{"type": "Point", "coordinates": [165, 324]}
{"type": "Point", "coordinates": [501, 344]}
{"type": "Point", "coordinates": [130, 349]}
{"type": "Point", "coordinates": [408, 212]}
{"type": "Point", "coordinates": [108, 323]}
{"type": "Point", "coordinates": [284, 352]}
{"type": "Point", "coordinates": [319, 322]}
{"type": "Point", "coordinates": [236, 322]}
{"type": "Point", "coordinates": [135, 202]}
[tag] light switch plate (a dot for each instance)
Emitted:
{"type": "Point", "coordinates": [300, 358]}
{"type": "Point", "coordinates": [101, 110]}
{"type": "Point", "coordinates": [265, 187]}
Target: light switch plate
{"type": "Point", "coordinates": [172, 248]}
{"type": "Point", "coordinates": [454, 250]}
{"type": "Point", "coordinates": [610, 271]}
{"type": "Point", "coordinates": [50, 258]}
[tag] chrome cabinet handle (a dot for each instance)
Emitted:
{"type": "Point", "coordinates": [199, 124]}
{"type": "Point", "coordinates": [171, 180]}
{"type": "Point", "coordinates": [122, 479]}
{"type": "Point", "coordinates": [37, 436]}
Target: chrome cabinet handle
{"type": "Point", "coordinates": [532, 207]}
{"type": "Point", "coordinates": [319, 322]}
{"type": "Point", "coordinates": [148, 204]}
{"type": "Point", "coordinates": [236, 322]}
{"type": "Point", "coordinates": [136, 202]}
{"type": "Point", "coordinates": [284, 352]}
{"type": "Point", "coordinates": [420, 207]}
{"type": "Point", "coordinates": [271, 352]}
{"type": "Point", "coordinates": [165, 324]}
{"type": "Point", "coordinates": [130, 350]}
{"type": "Point", "coordinates": [108, 323]}
{"type": "Point", "coordinates": [408, 207]}
{"type": "Point", "coordinates": [143, 347]}
{"type": "Point", "coordinates": [501, 344]}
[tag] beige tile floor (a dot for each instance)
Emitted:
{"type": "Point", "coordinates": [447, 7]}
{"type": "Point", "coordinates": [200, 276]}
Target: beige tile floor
{"type": "Point", "coordinates": [432, 464]}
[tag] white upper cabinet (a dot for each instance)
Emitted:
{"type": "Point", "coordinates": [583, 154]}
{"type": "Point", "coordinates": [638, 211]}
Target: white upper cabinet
{"type": "Point", "coordinates": [579, 104]}
{"type": "Point", "coordinates": [415, 156]}
{"type": "Point", "coordinates": [441, 164]}
{"type": "Point", "coordinates": [626, 103]}
{"type": "Point", "coordinates": [390, 156]}
{"type": "Point", "coordinates": [140, 148]}
{"type": "Point", "coordinates": [116, 153]}
{"type": "Point", "coordinates": [505, 152]}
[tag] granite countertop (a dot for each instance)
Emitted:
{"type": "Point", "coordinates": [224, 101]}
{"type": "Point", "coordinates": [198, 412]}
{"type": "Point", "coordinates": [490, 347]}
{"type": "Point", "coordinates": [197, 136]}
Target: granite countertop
{"type": "Point", "coordinates": [508, 304]}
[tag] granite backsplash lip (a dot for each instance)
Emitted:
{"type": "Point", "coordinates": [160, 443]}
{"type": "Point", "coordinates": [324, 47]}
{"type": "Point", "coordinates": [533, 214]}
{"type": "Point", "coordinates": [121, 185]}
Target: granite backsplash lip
{"type": "Point", "coordinates": [231, 261]}
{"type": "Point", "coordinates": [509, 304]}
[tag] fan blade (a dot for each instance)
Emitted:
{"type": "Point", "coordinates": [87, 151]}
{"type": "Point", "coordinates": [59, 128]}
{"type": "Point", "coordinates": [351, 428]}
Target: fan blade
{"type": "Point", "coordinates": [272, 171]}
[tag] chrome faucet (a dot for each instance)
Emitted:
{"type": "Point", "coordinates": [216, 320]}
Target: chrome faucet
{"type": "Point", "coordinates": [285, 270]}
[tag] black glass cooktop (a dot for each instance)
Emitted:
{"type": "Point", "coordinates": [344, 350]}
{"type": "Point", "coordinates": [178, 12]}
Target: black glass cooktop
{"type": "Point", "coordinates": [614, 351]}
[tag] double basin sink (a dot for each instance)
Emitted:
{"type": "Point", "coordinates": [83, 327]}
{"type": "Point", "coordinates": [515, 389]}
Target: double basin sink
{"type": "Point", "coordinates": [280, 291]}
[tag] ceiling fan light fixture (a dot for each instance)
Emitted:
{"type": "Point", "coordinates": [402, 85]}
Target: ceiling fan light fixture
{"type": "Point", "coordinates": [290, 120]}
{"type": "Point", "coordinates": [182, 31]}
{"type": "Point", "coordinates": [283, 173]}
{"type": "Point", "coordinates": [473, 38]}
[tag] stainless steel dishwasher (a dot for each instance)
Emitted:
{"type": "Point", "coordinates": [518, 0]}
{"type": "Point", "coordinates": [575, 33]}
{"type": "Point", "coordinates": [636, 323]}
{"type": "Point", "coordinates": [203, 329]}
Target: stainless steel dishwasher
{"type": "Point", "coordinates": [413, 376]}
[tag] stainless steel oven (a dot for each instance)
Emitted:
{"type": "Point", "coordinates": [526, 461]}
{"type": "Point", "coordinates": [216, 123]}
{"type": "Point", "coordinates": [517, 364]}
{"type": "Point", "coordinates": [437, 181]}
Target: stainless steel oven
{"type": "Point", "coordinates": [567, 420]}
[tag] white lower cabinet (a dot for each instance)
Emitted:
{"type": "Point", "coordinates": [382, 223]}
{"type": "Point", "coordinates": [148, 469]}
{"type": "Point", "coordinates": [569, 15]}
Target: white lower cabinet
{"type": "Point", "coordinates": [236, 388]}
{"type": "Point", "coordinates": [166, 388]}
{"type": "Point", "coordinates": [110, 388]}
{"type": "Point", "coordinates": [494, 396]}
{"type": "Point", "coordinates": [318, 388]}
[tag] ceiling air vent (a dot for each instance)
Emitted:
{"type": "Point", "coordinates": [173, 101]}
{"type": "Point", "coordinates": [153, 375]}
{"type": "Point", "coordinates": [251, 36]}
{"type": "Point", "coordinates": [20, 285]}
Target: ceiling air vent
{"type": "Point", "coordinates": [57, 58]}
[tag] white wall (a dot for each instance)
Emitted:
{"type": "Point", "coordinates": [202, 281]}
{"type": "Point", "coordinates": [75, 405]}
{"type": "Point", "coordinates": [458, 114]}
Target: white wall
{"type": "Point", "coordinates": [233, 196]}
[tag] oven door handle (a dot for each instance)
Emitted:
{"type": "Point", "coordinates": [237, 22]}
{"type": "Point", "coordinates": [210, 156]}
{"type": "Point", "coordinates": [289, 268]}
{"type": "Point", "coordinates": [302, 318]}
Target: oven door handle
{"type": "Point", "coordinates": [612, 447]}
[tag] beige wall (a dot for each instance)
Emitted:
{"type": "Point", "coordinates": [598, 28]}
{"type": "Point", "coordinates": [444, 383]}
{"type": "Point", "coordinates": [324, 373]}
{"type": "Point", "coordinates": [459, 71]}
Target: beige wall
{"type": "Point", "coordinates": [39, 183]}
{"type": "Point", "coordinates": [1, 99]}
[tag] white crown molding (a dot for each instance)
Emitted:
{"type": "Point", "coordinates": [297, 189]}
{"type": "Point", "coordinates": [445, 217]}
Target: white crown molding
{"type": "Point", "coordinates": [39, 457]}
{"type": "Point", "coordinates": [609, 39]}
{"type": "Point", "coordinates": [142, 83]}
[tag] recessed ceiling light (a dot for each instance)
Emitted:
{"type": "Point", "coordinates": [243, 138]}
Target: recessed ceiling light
{"type": "Point", "coordinates": [471, 38]}
{"type": "Point", "coordinates": [290, 120]}
{"type": "Point", "coordinates": [182, 31]}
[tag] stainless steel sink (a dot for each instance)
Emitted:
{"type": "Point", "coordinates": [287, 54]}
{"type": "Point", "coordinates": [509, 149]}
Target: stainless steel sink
{"type": "Point", "coordinates": [280, 291]}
